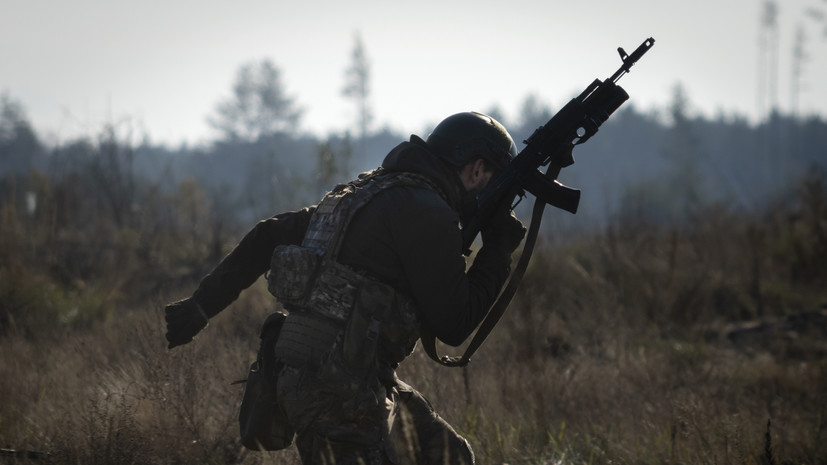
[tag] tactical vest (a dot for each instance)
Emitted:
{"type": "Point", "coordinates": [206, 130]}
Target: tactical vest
{"type": "Point", "coordinates": [332, 305]}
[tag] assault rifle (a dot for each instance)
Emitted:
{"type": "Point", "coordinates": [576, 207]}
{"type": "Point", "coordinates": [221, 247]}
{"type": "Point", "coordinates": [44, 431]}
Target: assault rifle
{"type": "Point", "coordinates": [552, 145]}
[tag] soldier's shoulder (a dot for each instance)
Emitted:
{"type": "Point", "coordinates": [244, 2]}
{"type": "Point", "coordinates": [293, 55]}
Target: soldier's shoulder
{"type": "Point", "coordinates": [414, 197]}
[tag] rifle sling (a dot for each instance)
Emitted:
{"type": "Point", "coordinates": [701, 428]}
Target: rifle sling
{"type": "Point", "coordinates": [498, 309]}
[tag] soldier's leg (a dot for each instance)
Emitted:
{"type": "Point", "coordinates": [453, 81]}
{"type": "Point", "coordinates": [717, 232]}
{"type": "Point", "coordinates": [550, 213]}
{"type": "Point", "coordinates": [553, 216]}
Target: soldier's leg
{"type": "Point", "coordinates": [329, 432]}
{"type": "Point", "coordinates": [317, 450]}
{"type": "Point", "coordinates": [421, 436]}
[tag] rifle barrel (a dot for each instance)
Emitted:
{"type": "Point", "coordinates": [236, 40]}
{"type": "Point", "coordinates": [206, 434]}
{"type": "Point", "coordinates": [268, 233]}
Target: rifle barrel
{"type": "Point", "coordinates": [629, 61]}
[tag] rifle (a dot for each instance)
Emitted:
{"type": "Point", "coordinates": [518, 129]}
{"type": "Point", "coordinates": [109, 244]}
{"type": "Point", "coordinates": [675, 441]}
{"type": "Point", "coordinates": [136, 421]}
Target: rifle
{"type": "Point", "coordinates": [551, 144]}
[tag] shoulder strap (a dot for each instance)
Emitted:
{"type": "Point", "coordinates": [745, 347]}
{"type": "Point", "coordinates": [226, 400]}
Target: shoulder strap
{"type": "Point", "coordinates": [498, 309]}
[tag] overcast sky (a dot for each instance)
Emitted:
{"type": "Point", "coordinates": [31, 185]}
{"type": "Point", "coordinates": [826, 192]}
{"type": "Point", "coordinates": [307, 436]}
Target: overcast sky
{"type": "Point", "coordinates": [160, 67]}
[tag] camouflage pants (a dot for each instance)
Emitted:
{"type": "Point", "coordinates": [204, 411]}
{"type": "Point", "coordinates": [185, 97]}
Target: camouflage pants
{"type": "Point", "coordinates": [377, 425]}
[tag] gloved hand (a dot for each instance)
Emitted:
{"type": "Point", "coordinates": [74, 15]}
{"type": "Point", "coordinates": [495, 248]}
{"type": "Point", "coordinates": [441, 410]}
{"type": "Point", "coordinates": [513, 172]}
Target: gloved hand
{"type": "Point", "coordinates": [185, 318]}
{"type": "Point", "coordinates": [504, 231]}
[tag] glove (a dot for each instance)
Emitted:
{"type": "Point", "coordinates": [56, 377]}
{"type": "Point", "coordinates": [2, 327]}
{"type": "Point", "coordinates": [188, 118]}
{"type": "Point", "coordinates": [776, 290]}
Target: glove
{"type": "Point", "coordinates": [504, 231]}
{"type": "Point", "coordinates": [185, 318]}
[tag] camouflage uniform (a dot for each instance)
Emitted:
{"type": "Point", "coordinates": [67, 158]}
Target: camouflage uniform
{"type": "Point", "coordinates": [405, 237]}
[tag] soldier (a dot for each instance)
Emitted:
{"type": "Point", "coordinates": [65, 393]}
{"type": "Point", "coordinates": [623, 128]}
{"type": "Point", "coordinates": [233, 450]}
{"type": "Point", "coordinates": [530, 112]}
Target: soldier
{"type": "Point", "coordinates": [360, 275]}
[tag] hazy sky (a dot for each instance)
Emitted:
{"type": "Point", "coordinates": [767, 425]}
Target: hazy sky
{"type": "Point", "coordinates": [160, 67]}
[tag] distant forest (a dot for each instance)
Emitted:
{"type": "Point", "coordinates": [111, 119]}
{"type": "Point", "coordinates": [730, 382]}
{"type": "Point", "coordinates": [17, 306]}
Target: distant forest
{"type": "Point", "coordinates": [656, 166]}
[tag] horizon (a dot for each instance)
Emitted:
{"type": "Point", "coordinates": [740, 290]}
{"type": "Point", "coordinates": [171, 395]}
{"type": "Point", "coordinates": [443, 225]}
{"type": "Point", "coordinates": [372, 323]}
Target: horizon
{"type": "Point", "coordinates": [74, 69]}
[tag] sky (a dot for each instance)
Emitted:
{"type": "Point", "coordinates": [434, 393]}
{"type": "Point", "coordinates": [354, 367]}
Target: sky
{"type": "Point", "coordinates": [157, 69]}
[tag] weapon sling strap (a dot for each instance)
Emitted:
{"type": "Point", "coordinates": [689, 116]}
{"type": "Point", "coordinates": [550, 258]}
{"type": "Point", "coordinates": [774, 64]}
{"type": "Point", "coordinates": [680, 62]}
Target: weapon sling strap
{"type": "Point", "coordinates": [498, 309]}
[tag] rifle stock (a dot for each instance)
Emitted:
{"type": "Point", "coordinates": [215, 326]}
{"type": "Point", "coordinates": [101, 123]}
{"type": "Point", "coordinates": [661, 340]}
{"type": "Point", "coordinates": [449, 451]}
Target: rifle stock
{"type": "Point", "coordinates": [552, 144]}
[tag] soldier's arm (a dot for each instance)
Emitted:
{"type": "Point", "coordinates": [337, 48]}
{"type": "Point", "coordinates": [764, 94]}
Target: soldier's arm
{"type": "Point", "coordinates": [250, 259]}
{"type": "Point", "coordinates": [411, 239]}
{"type": "Point", "coordinates": [451, 301]}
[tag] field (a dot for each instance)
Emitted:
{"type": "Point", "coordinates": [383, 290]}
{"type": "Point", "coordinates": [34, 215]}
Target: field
{"type": "Point", "coordinates": [704, 342]}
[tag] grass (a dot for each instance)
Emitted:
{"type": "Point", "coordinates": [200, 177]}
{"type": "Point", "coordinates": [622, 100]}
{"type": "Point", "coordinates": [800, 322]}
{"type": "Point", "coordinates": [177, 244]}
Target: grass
{"type": "Point", "coordinates": [616, 350]}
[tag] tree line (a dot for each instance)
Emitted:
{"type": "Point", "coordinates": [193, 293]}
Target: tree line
{"type": "Point", "coordinates": [152, 216]}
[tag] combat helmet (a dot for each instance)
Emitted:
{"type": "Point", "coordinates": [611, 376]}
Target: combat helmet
{"type": "Point", "coordinates": [462, 137]}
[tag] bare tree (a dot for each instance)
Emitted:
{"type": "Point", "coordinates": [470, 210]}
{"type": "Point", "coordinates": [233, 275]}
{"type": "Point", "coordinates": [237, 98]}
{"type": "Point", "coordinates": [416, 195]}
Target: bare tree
{"type": "Point", "coordinates": [259, 105]}
{"type": "Point", "coordinates": [768, 59]}
{"type": "Point", "coordinates": [20, 148]}
{"type": "Point", "coordinates": [357, 85]}
{"type": "Point", "coordinates": [800, 58]}
{"type": "Point", "coordinates": [684, 151]}
{"type": "Point", "coordinates": [112, 170]}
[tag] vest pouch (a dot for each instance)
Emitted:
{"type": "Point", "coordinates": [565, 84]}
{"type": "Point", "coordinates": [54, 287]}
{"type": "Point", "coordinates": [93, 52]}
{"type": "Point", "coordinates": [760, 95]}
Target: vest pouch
{"type": "Point", "coordinates": [292, 273]}
{"type": "Point", "coordinates": [306, 339]}
{"type": "Point", "coordinates": [373, 303]}
{"type": "Point", "coordinates": [263, 423]}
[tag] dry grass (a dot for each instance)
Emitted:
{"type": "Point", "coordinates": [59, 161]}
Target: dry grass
{"type": "Point", "coordinates": [615, 351]}
{"type": "Point", "coordinates": [115, 395]}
